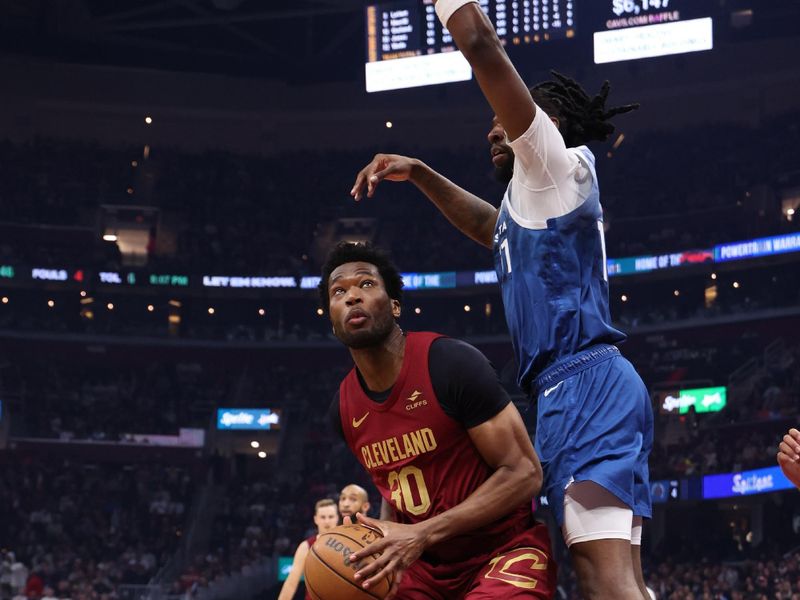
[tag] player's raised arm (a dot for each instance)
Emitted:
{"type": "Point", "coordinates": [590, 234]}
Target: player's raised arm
{"type": "Point", "coordinates": [502, 86]}
{"type": "Point", "coordinates": [473, 216]}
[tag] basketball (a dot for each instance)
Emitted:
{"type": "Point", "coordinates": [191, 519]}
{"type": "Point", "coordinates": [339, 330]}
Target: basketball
{"type": "Point", "coordinates": [328, 571]}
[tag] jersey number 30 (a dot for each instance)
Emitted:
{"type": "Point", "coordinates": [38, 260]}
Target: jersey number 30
{"type": "Point", "coordinates": [400, 485]}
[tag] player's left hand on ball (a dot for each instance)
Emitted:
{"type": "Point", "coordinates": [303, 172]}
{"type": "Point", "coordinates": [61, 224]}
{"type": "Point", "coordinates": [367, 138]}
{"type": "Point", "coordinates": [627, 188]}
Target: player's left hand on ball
{"type": "Point", "coordinates": [399, 547]}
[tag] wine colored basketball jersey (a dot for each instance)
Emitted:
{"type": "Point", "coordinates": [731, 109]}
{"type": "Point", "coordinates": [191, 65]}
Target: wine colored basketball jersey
{"type": "Point", "coordinates": [422, 461]}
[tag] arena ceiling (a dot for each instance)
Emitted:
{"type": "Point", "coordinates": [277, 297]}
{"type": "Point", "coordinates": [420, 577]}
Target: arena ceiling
{"type": "Point", "coordinates": [293, 40]}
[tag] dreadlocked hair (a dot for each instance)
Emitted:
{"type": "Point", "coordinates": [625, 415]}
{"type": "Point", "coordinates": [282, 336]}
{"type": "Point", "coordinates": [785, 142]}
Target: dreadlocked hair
{"type": "Point", "coordinates": [581, 119]}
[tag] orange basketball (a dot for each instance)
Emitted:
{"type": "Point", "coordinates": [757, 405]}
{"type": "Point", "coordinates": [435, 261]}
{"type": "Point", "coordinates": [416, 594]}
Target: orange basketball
{"type": "Point", "coordinates": [330, 574]}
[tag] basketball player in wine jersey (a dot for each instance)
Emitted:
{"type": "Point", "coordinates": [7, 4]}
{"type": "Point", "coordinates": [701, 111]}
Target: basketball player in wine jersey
{"type": "Point", "coordinates": [426, 416]}
{"type": "Point", "coordinates": [326, 517]}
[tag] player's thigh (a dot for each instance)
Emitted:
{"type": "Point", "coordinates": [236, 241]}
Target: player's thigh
{"type": "Point", "coordinates": [592, 513]}
{"type": "Point", "coordinates": [515, 574]}
{"type": "Point", "coordinates": [418, 584]}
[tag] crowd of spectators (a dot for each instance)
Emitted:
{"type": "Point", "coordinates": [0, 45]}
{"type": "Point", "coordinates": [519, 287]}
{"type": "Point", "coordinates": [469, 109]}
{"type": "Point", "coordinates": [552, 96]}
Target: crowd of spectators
{"type": "Point", "coordinates": [56, 399]}
{"type": "Point", "coordinates": [773, 578]}
{"type": "Point", "coordinates": [721, 450]}
{"type": "Point", "coordinates": [72, 529]}
{"type": "Point", "coordinates": [73, 549]}
{"type": "Point", "coordinates": [263, 214]}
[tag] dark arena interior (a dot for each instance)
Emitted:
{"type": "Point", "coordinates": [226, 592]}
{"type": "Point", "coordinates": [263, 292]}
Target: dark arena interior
{"type": "Point", "coordinates": [173, 175]}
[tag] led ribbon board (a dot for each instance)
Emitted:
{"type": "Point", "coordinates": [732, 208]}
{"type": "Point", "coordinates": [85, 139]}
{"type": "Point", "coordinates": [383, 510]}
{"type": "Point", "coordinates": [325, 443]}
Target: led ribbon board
{"type": "Point", "coordinates": [247, 419]}
{"type": "Point", "coordinates": [745, 483]}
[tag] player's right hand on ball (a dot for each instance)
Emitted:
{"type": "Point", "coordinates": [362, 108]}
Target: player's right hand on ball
{"type": "Point", "coordinates": [393, 167]}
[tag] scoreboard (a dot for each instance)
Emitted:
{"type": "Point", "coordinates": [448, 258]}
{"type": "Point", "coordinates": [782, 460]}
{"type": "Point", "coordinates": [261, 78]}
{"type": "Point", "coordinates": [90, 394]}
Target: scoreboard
{"type": "Point", "coordinates": [636, 29]}
{"type": "Point", "coordinates": [408, 47]}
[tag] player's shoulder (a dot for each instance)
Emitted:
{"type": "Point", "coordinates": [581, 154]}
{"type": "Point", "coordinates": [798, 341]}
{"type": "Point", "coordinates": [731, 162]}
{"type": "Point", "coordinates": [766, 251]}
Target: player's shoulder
{"type": "Point", "coordinates": [454, 346]}
{"type": "Point", "coordinates": [455, 356]}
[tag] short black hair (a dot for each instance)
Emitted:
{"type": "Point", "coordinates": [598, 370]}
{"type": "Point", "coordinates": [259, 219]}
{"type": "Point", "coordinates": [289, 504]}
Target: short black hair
{"type": "Point", "coordinates": [348, 252]}
{"type": "Point", "coordinates": [582, 118]}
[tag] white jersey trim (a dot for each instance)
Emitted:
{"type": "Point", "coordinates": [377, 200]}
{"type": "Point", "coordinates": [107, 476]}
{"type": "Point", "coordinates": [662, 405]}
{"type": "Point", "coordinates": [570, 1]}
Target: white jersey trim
{"type": "Point", "coordinates": [550, 180]}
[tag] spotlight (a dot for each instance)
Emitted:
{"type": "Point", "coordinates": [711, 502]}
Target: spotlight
{"type": "Point", "coordinates": [736, 284]}
{"type": "Point", "coordinates": [51, 303]}
{"type": "Point", "coordinates": [254, 444]}
{"type": "Point", "coordinates": [150, 308]}
{"type": "Point", "coordinates": [262, 312]}
{"type": "Point", "coordinates": [5, 300]}
{"type": "Point", "coordinates": [389, 125]}
{"type": "Point", "coordinates": [624, 298]}
{"type": "Point", "coordinates": [109, 237]}
{"type": "Point", "coordinates": [148, 120]}
{"type": "Point", "coordinates": [320, 312]}
{"type": "Point", "coordinates": [110, 306]}
{"type": "Point", "coordinates": [467, 308]}
{"type": "Point", "coordinates": [262, 454]}
{"type": "Point", "coordinates": [211, 310]}
{"type": "Point", "coordinates": [418, 310]}
{"type": "Point", "coordinates": [676, 293]}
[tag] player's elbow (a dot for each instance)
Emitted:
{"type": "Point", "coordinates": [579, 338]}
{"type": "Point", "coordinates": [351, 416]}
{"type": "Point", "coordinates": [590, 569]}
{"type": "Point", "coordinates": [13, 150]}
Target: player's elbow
{"type": "Point", "coordinates": [537, 477]}
{"type": "Point", "coordinates": [530, 480]}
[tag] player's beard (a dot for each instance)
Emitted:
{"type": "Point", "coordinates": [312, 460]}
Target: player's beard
{"type": "Point", "coordinates": [505, 171]}
{"type": "Point", "coordinates": [382, 326]}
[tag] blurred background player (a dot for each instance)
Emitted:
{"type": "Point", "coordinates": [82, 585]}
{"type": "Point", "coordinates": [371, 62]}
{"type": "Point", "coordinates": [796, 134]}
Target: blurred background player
{"type": "Point", "coordinates": [423, 414]}
{"type": "Point", "coordinates": [353, 499]}
{"type": "Point", "coordinates": [789, 456]}
{"type": "Point", "coordinates": [595, 423]}
{"type": "Point", "coordinates": [326, 517]}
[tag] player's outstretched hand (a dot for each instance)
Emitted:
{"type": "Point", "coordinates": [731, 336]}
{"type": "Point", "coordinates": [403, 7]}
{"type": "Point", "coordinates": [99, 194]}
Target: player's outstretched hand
{"type": "Point", "coordinates": [384, 166]}
{"type": "Point", "coordinates": [399, 547]}
{"type": "Point", "coordinates": [789, 456]}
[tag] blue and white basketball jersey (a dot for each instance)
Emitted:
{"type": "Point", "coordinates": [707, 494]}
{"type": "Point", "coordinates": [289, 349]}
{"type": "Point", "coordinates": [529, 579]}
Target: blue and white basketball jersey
{"type": "Point", "coordinates": [554, 282]}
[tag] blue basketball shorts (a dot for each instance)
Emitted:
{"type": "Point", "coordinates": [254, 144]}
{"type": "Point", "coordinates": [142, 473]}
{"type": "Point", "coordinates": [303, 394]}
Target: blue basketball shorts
{"type": "Point", "coordinates": [595, 423]}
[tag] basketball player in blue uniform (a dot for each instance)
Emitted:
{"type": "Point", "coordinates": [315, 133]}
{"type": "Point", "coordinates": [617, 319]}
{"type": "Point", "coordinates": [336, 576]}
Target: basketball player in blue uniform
{"type": "Point", "coordinates": [595, 423]}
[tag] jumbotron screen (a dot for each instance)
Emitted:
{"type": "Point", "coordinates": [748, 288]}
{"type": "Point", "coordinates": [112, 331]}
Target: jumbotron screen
{"type": "Point", "coordinates": [408, 47]}
{"type": "Point", "coordinates": [635, 29]}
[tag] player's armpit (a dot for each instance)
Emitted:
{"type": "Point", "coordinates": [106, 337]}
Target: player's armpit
{"type": "Point", "coordinates": [502, 86]}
